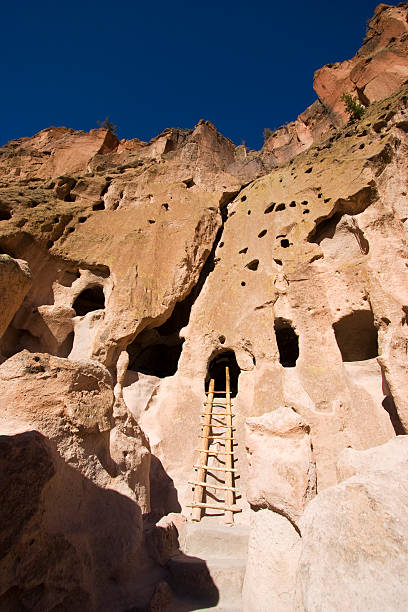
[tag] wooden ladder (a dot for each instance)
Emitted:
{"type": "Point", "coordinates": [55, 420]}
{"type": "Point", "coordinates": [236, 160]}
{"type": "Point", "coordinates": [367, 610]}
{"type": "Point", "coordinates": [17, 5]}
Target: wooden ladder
{"type": "Point", "coordinates": [209, 436]}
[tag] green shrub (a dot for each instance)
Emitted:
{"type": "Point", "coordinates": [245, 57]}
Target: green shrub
{"type": "Point", "coordinates": [353, 106]}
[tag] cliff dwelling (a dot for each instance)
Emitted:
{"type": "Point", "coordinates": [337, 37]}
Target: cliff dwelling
{"type": "Point", "coordinates": [203, 358]}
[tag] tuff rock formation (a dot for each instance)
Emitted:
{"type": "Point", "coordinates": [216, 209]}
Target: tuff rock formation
{"type": "Point", "coordinates": [131, 273]}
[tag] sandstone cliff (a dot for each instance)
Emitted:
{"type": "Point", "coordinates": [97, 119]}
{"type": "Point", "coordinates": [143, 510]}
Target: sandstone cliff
{"type": "Point", "coordinates": [128, 269]}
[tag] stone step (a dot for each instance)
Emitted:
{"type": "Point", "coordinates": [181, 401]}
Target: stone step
{"type": "Point", "coordinates": [202, 540]}
{"type": "Point", "coordinates": [214, 580]}
{"type": "Point", "coordinates": [183, 604]}
{"type": "Point", "coordinates": [228, 576]}
{"type": "Point", "coordinates": [190, 578]}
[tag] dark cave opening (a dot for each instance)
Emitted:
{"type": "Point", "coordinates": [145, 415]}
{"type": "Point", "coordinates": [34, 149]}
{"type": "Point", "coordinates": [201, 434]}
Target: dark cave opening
{"type": "Point", "coordinates": [88, 300]}
{"type": "Point", "coordinates": [216, 370]}
{"type": "Point", "coordinates": [158, 359]}
{"type": "Point", "coordinates": [288, 343]}
{"type": "Point", "coordinates": [356, 336]}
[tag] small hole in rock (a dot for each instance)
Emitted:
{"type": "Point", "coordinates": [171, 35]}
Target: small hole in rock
{"type": "Point", "coordinates": [285, 243]}
{"type": "Point", "coordinates": [249, 212]}
{"type": "Point", "coordinates": [243, 251]}
{"type": "Point", "coordinates": [243, 283]}
{"type": "Point", "coordinates": [280, 207]}
{"type": "Point", "coordinates": [82, 219]}
{"type": "Point", "coordinates": [71, 229]}
{"type": "Point", "coordinates": [278, 261]}
{"type": "Point", "coordinates": [362, 146]}
{"type": "Point", "coordinates": [165, 205]}
{"type": "Point", "coordinates": [221, 245]}
{"type": "Point", "coordinates": [263, 233]}
{"type": "Point", "coordinates": [98, 206]}
{"type": "Point", "coordinates": [253, 265]}
{"type": "Point", "coordinates": [305, 203]}
{"type": "Point", "coordinates": [306, 211]}
{"type": "Point", "coordinates": [270, 208]}
{"type": "Point", "coordinates": [151, 221]}
{"type": "Point", "coordinates": [308, 171]}
{"type": "Point", "coordinates": [292, 204]}
{"type": "Point", "coordinates": [243, 198]}
{"type": "Point", "coordinates": [5, 215]}
{"type": "Point", "coordinates": [319, 195]}
{"type": "Point", "coordinates": [221, 339]}
{"type": "Point", "coordinates": [327, 200]}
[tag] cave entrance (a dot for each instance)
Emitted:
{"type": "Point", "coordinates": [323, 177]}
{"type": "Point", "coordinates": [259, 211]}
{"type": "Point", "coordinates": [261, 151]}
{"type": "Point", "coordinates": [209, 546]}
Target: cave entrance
{"type": "Point", "coordinates": [157, 351]}
{"type": "Point", "coordinates": [288, 343]}
{"type": "Point", "coordinates": [158, 359]}
{"type": "Point", "coordinates": [356, 336]}
{"type": "Point", "coordinates": [88, 300]}
{"type": "Point", "coordinates": [216, 370]}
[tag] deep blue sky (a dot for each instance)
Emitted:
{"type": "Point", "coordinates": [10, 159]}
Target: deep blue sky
{"type": "Point", "coordinates": [244, 65]}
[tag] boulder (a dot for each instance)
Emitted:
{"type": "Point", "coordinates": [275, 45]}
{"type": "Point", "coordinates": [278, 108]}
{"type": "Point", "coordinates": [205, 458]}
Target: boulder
{"type": "Point", "coordinates": [15, 281]}
{"type": "Point", "coordinates": [354, 545]}
{"type": "Point", "coordinates": [282, 474]}
{"type": "Point", "coordinates": [273, 555]}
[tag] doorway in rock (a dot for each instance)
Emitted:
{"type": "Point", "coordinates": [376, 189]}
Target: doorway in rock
{"type": "Point", "coordinates": [288, 343]}
{"type": "Point", "coordinates": [357, 336]}
{"type": "Point", "coordinates": [216, 370]}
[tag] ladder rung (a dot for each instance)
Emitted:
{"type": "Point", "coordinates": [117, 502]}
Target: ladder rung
{"type": "Point", "coordinates": [215, 438]}
{"type": "Point", "coordinates": [211, 486]}
{"type": "Point", "coordinates": [215, 507]}
{"type": "Point", "coordinates": [221, 425]}
{"type": "Point", "coordinates": [214, 469]}
{"type": "Point", "coordinates": [216, 414]}
{"type": "Point", "coordinates": [214, 452]}
{"type": "Point", "coordinates": [215, 392]}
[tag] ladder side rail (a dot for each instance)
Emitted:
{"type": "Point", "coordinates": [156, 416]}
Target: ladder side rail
{"type": "Point", "coordinates": [229, 478]}
{"type": "Point", "coordinates": [202, 472]}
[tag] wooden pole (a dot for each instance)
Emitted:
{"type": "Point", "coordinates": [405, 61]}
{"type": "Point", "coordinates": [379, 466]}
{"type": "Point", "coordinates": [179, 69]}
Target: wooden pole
{"type": "Point", "coordinates": [229, 479]}
{"type": "Point", "coordinates": [201, 472]}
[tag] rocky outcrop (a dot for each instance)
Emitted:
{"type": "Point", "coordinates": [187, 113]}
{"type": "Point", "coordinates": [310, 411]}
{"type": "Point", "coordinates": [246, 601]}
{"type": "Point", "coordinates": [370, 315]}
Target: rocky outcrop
{"type": "Point", "coordinates": [354, 550]}
{"type": "Point", "coordinates": [377, 70]}
{"type": "Point", "coordinates": [15, 281]}
{"type": "Point", "coordinates": [282, 473]}
{"type": "Point", "coordinates": [75, 478]}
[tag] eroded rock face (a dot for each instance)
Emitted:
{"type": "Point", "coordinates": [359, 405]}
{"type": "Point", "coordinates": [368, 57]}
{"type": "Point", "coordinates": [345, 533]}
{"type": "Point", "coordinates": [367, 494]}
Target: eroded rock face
{"type": "Point", "coordinates": [130, 268]}
{"type": "Point", "coordinates": [354, 547]}
{"type": "Point", "coordinates": [71, 403]}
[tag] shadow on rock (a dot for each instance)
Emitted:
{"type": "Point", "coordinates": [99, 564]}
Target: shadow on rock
{"type": "Point", "coordinates": [163, 494]}
{"type": "Point", "coordinates": [65, 543]}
